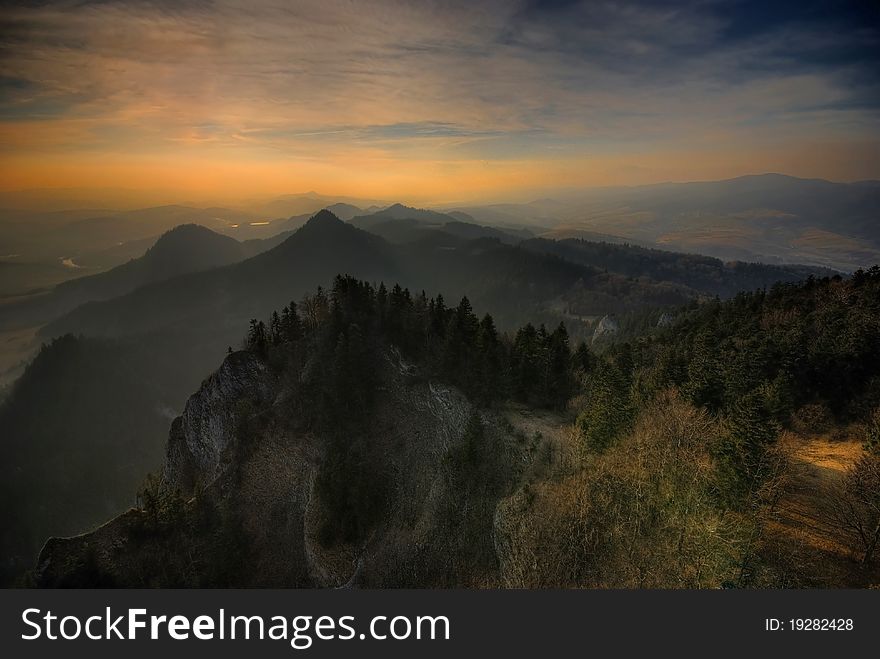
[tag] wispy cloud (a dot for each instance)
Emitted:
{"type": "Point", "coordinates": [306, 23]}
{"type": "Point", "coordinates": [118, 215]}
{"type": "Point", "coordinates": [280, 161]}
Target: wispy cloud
{"type": "Point", "coordinates": [434, 80]}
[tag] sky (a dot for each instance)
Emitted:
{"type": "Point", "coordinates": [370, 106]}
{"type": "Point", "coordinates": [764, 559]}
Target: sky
{"type": "Point", "coordinates": [432, 101]}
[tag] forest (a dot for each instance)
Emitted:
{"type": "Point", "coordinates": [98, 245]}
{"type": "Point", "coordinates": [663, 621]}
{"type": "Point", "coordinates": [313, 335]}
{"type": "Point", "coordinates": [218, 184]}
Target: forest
{"type": "Point", "coordinates": [435, 449]}
{"type": "Point", "coordinates": [76, 457]}
{"type": "Point", "coordinates": [700, 404]}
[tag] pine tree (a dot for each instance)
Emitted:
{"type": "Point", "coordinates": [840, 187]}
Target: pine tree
{"type": "Point", "coordinates": [490, 385]}
{"type": "Point", "coordinates": [459, 348]}
{"type": "Point", "coordinates": [525, 364]}
{"type": "Point", "coordinates": [439, 317]}
{"type": "Point", "coordinates": [559, 377]}
{"type": "Point", "coordinates": [276, 336]}
{"type": "Point", "coordinates": [609, 410]}
{"type": "Point", "coordinates": [743, 451]}
{"type": "Point", "coordinates": [291, 325]}
{"type": "Point", "coordinates": [256, 339]}
{"type": "Point", "coordinates": [704, 381]}
{"type": "Point", "coordinates": [583, 359]}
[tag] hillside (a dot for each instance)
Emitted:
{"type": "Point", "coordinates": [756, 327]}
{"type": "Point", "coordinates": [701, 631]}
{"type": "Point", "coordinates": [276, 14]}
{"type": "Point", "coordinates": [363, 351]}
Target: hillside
{"type": "Point", "coordinates": [410, 230]}
{"type": "Point", "coordinates": [548, 276]}
{"type": "Point", "coordinates": [768, 218]}
{"type": "Point", "coordinates": [80, 429]}
{"type": "Point", "coordinates": [401, 212]}
{"type": "Point", "coordinates": [221, 300]}
{"type": "Point", "coordinates": [448, 469]}
{"type": "Point", "coordinates": [186, 248]}
{"type": "Point", "coordinates": [193, 319]}
{"type": "Point", "coordinates": [403, 224]}
{"type": "Point", "coordinates": [701, 273]}
{"type": "Point", "coordinates": [74, 234]}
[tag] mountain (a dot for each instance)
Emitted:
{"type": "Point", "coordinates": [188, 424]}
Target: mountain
{"type": "Point", "coordinates": [81, 428]}
{"type": "Point", "coordinates": [769, 218]}
{"type": "Point", "coordinates": [402, 224]}
{"type": "Point", "coordinates": [542, 279]}
{"type": "Point", "coordinates": [425, 422]}
{"type": "Point", "coordinates": [377, 438]}
{"type": "Point", "coordinates": [344, 211]}
{"type": "Point", "coordinates": [222, 300]}
{"type": "Point", "coordinates": [276, 231]}
{"type": "Point", "coordinates": [401, 212]}
{"type": "Point", "coordinates": [188, 323]}
{"type": "Point", "coordinates": [412, 230]}
{"type": "Point", "coordinates": [309, 203]}
{"type": "Point", "coordinates": [545, 213]}
{"type": "Point", "coordinates": [148, 349]}
{"type": "Point", "coordinates": [705, 274]}
{"type": "Point", "coordinates": [94, 240]}
{"type": "Point", "coordinates": [471, 231]}
{"type": "Point", "coordinates": [186, 248]}
{"type": "Point", "coordinates": [139, 223]}
{"type": "Point", "coordinates": [766, 218]}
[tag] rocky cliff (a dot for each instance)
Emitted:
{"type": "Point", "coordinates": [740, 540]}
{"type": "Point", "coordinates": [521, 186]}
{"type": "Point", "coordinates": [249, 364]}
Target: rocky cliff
{"type": "Point", "coordinates": [200, 438]}
{"type": "Point", "coordinates": [244, 500]}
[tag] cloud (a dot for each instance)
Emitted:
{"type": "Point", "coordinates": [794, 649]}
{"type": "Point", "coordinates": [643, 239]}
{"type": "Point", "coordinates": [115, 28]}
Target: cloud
{"type": "Point", "coordinates": [437, 80]}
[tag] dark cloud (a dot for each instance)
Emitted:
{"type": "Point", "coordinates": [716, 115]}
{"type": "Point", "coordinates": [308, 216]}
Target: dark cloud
{"type": "Point", "coordinates": [658, 38]}
{"type": "Point", "coordinates": [495, 78]}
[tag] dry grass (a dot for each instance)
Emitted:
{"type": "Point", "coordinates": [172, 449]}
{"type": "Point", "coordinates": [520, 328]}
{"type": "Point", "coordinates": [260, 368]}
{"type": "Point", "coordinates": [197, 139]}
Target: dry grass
{"type": "Point", "coordinates": [804, 542]}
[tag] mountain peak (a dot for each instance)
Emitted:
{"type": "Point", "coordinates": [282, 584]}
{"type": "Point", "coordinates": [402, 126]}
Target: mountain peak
{"type": "Point", "coordinates": [184, 232]}
{"type": "Point", "coordinates": [192, 247]}
{"type": "Point", "coordinates": [323, 218]}
{"type": "Point", "coordinates": [399, 211]}
{"type": "Point", "coordinates": [190, 238]}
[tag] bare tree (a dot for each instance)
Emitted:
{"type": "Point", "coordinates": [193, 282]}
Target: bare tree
{"type": "Point", "coordinates": [856, 504]}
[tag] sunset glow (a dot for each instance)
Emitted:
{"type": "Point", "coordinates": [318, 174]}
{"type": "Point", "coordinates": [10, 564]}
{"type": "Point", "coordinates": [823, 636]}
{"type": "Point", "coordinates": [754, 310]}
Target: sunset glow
{"type": "Point", "coordinates": [433, 102]}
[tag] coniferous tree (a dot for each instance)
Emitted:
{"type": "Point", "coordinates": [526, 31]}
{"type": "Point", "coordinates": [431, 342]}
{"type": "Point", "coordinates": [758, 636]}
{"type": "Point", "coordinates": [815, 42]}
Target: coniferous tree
{"type": "Point", "coordinates": [459, 348]}
{"type": "Point", "coordinates": [256, 339]}
{"type": "Point", "coordinates": [276, 336]}
{"type": "Point", "coordinates": [291, 325]}
{"type": "Point", "coordinates": [583, 359]}
{"type": "Point", "coordinates": [421, 324]}
{"type": "Point", "coordinates": [525, 367]}
{"type": "Point", "coordinates": [608, 411]}
{"type": "Point", "coordinates": [743, 452]}
{"type": "Point", "coordinates": [704, 382]}
{"type": "Point", "coordinates": [439, 317]}
{"type": "Point", "coordinates": [382, 303]}
{"type": "Point", "coordinates": [558, 355]}
{"type": "Point", "coordinates": [491, 379]}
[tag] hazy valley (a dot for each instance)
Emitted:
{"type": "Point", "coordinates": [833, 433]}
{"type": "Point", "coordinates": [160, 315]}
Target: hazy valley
{"type": "Point", "coordinates": [124, 349]}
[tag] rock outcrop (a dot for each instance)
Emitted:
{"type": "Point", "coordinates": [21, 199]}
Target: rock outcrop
{"type": "Point", "coordinates": [605, 328]}
{"type": "Point", "coordinates": [666, 320]}
{"type": "Point", "coordinates": [243, 506]}
{"type": "Point", "coordinates": [200, 438]}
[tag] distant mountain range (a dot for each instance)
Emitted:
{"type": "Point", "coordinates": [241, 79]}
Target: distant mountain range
{"type": "Point", "coordinates": [767, 218]}
{"type": "Point", "coordinates": [167, 291]}
{"type": "Point", "coordinates": [770, 218]}
{"type": "Point", "coordinates": [186, 248]}
{"type": "Point", "coordinates": [224, 299]}
{"type": "Point", "coordinates": [403, 224]}
{"type": "Point", "coordinates": [151, 329]}
{"type": "Point", "coordinates": [401, 212]}
{"type": "Point", "coordinates": [197, 285]}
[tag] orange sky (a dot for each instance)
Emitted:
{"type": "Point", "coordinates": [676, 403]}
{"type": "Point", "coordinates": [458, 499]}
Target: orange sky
{"type": "Point", "coordinates": [435, 102]}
